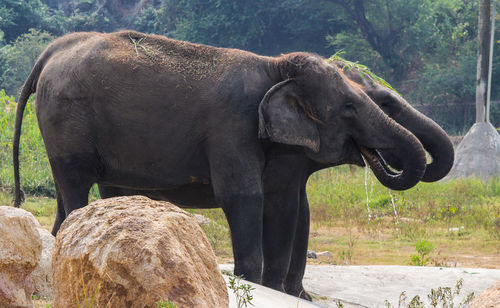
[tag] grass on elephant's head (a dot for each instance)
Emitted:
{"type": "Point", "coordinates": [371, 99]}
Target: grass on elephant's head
{"type": "Point", "coordinates": [363, 69]}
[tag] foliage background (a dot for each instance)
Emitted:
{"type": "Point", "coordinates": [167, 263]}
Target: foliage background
{"type": "Point", "coordinates": [425, 48]}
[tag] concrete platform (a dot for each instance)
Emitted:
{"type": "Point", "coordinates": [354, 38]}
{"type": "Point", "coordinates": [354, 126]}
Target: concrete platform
{"type": "Point", "coordinates": [370, 286]}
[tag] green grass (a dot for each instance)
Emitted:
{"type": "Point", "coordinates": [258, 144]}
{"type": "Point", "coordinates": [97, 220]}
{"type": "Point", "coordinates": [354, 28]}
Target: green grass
{"type": "Point", "coordinates": [35, 171]}
{"type": "Point", "coordinates": [382, 230]}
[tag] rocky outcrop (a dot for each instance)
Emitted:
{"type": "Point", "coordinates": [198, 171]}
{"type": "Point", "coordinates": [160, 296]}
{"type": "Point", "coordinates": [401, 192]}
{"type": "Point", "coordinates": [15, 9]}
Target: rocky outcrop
{"type": "Point", "coordinates": [42, 274]}
{"type": "Point", "coordinates": [20, 250]}
{"type": "Point", "coordinates": [134, 252]}
{"type": "Point", "coordinates": [489, 298]}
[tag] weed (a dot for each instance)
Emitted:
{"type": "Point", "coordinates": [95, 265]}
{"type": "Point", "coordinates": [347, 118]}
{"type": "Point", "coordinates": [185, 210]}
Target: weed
{"type": "Point", "coordinates": [493, 226]}
{"type": "Point", "coordinates": [166, 304]}
{"type": "Point", "coordinates": [441, 261]}
{"type": "Point", "coordinates": [86, 302]}
{"type": "Point", "coordinates": [241, 291]}
{"type": "Point", "coordinates": [444, 297]}
{"type": "Point", "coordinates": [347, 255]}
{"type": "Point", "coordinates": [226, 272]}
{"type": "Point", "coordinates": [424, 248]}
{"type": "Point", "coordinates": [217, 235]}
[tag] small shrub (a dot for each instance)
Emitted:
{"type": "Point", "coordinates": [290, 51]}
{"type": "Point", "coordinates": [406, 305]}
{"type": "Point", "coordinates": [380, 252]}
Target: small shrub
{"type": "Point", "coordinates": [241, 291]}
{"type": "Point", "coordinates": [217, 235]}
{"type": "Point", "coordinates": [424, 248]}
{"type": "Point", "coordinates": [493, 227]}
{"type": "Point", "coordinates": [347, 255]}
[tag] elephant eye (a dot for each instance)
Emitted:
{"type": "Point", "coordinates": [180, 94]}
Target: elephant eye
{"type": "Point", "coordinates": [348, 110]}
{"type": "Point", "coordinates": [349, 106]}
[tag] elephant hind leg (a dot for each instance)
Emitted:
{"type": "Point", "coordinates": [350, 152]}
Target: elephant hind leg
{"type": "Point", "coordinates": [60, 214]}
{"type": "Point", "coordinates": [74, 175]}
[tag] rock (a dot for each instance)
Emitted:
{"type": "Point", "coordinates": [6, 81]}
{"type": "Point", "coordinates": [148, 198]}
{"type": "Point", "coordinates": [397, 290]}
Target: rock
{"type": "Point", "coordinates": [134, 252]}
{"type": "Point", "coordinates": [456, 229]}
{"type": "Point", "coordinates": [311, 254]}
{"type": "Point", "coordinates": [42, 274]}
{"type": "Point", "coordinates": [20, 250]}
{"type": "Point", "coordinates": [489, 298]}
{"type": "Point", "coordinates": [325, 255]}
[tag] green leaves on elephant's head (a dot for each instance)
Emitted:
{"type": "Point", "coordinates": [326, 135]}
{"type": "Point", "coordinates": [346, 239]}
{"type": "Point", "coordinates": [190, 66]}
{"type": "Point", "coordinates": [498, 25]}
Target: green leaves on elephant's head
{"type": "Point", "coordinates": [363, 69]}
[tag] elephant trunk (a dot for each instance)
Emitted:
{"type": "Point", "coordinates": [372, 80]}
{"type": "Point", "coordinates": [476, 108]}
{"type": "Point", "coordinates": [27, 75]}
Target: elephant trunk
{"type": "Point", "coordinates": [404, 146]}
{"type": "Point", "coordinates": [434, 140]}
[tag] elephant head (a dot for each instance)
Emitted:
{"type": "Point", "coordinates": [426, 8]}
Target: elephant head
{"type": "Point", "coordinates": [433, 138]}
{"type": "Point", "coordinates": [317, 107]}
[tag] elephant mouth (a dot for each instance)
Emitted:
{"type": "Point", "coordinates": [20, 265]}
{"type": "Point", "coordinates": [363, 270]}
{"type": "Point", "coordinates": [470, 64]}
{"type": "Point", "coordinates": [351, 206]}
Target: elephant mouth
{"type": "Point", "coordinates": [376, 161]}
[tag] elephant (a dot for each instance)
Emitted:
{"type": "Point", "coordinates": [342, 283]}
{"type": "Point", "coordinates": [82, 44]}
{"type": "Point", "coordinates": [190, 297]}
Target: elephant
{"type": "Point", "coordinates": [433, 138]}
{"type": "Point", "coordinates": [209, 127]}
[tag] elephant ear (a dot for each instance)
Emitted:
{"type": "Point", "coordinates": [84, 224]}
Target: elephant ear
{"type": "Point", "coordinates": [282, 118]}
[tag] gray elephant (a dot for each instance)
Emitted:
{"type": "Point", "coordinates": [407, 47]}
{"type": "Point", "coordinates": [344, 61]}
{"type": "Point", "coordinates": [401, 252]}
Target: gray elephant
{"type": "Point", "coordinates": [208, 127]}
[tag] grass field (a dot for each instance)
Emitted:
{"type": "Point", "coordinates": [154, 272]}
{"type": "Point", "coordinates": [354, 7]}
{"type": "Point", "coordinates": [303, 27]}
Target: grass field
{"type": "Point", "coordinates": [353, 216]}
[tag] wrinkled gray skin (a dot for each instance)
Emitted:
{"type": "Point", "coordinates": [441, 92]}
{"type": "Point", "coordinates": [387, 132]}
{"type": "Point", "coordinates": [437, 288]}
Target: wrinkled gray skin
{"type": "Point", "coordinates": [208, 127]}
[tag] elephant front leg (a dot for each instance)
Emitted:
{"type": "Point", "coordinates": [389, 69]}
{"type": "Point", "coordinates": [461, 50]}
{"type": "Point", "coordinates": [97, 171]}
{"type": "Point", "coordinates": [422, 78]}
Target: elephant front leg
{"type": "Point", "coordinates": [237, 185]}
{"type": "Point", "coordinates": [244, 216]}
{"type": "Point", "coordinates": [293, 283]}
{"type": "Point", "coordinates": [280, 220]}
{"type": "Point", "coordinates": [284, 176]}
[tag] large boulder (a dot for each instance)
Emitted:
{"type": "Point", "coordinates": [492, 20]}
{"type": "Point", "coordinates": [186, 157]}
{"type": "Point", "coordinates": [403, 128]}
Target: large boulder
{"type": "Point", "coordinates": [42, 274]}
{"type": "Point", "coordinates": [489, 298]}
{"type": "Point", "coordinates": [20, 250]}
{"type": "Point", "coordinates": [134, 252]}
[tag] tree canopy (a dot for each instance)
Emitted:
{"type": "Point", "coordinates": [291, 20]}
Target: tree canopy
{"type": "Point", "coordinates": [425, 48]}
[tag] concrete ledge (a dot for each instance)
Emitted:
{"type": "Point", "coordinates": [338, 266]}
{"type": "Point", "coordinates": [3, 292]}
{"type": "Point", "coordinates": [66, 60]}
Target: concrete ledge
{"type": "Point", "coordinates": [370, 286]}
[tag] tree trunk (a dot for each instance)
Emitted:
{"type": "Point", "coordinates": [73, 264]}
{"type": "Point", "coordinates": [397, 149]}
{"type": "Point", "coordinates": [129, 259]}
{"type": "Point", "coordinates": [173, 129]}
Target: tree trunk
{"type": "Point", "coordinates": [483, 59]}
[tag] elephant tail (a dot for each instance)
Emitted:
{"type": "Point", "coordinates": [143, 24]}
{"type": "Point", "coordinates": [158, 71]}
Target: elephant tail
{"type": "Point", "coordinates": [29, 88]}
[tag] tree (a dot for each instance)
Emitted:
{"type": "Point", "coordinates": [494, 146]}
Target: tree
{"type": "Point", "coordinates": [17, 59]}
{"type": "Point", "coordinates": [18, 16]}
{"type": "Point", "coordinates": [383, 24]}
{"type": "Point", "coordinates": [478, 153]}
{"type": "Point", "coordinates": [268, 27]}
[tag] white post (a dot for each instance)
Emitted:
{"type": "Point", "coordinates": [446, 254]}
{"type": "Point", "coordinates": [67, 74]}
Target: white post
{"type": "Point", "coordinates": [492, 44]}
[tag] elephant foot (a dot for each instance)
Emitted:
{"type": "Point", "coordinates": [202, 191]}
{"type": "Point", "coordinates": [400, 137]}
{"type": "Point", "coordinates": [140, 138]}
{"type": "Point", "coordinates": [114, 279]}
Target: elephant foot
{"type": "Point", "coordinates": [300, 292]}
{"type": "Point", "coordinates": [305, 295]}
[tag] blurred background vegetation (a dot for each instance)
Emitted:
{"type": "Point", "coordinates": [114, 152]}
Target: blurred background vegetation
{"type": "Point", "coordinates": [425, 48]}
